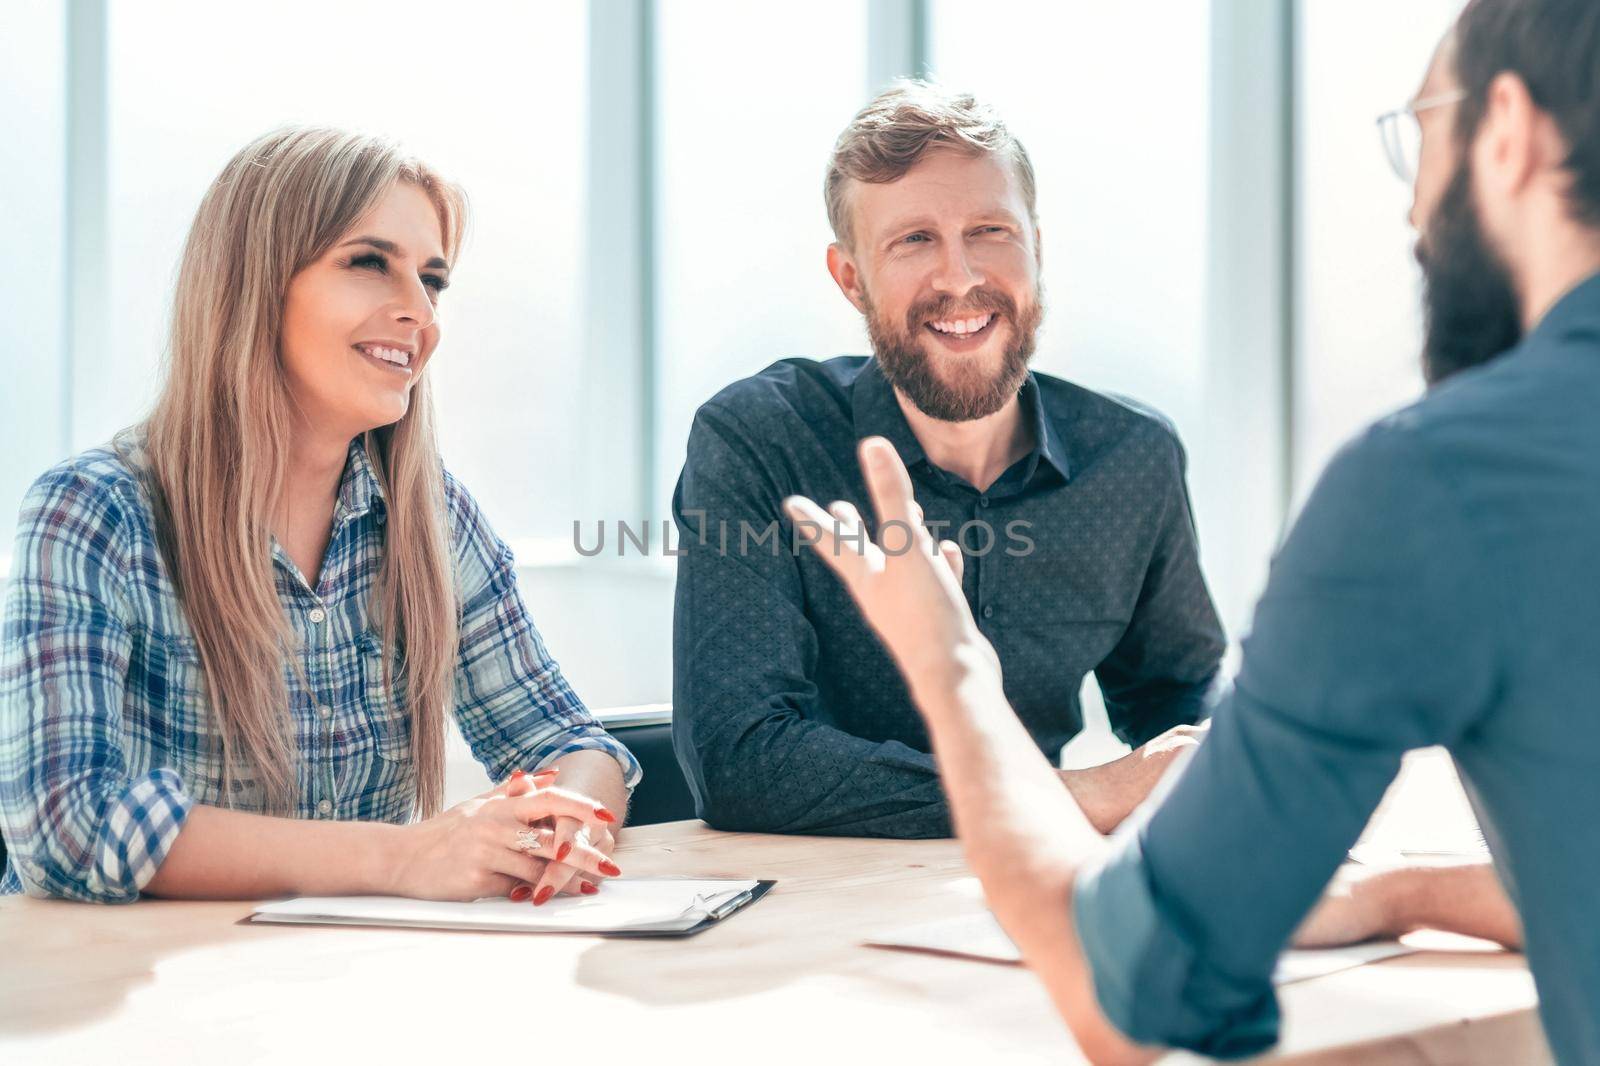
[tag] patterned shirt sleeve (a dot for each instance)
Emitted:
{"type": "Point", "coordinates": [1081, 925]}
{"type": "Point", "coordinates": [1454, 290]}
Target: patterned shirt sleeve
{"type": "Point", "coordinates": [1163, 670]}
{"type": "Point", "coordinates": [514, 707]}
{"type": "Point", "coordinates": [746, 706]}
{"type": "Point", "coordinates": [77, 824]}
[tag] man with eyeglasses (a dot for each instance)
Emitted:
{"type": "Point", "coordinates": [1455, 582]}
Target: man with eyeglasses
{"type": "Point", "coordinates": [1442, 586]}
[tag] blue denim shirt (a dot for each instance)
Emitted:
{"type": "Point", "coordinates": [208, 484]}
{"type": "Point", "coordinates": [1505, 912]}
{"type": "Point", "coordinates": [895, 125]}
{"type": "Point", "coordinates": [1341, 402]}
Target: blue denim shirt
{"type": "Point", "coordinates": [1441, 587]}
{"type": "Point", "coordinates": [106, 733]}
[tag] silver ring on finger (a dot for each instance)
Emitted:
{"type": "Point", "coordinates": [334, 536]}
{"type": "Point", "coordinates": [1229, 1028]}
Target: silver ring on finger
{"type": "Point", "coordinates": [528, 841]}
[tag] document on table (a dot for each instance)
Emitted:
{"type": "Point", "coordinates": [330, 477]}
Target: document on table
{"type": "Point", "coordinates": [979, 936]}
{"type": "Point", "coordinates": [639, 906]}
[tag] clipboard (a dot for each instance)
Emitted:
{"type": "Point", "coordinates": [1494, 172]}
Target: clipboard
{"type": "Point", "coordinates": [726, 910]}
{"type": "Point", "coordinates": [632, 910]}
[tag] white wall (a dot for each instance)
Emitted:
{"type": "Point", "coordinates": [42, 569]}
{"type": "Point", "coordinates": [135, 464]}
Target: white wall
{"type": "Point", "coordinates": [609, 624]}
{"type": "Point", "coordinates": [1359, 311]}
{"type": "Point", "coordinates": [32, 226]}
{"type": "Point", "coordinates": [743, 138]}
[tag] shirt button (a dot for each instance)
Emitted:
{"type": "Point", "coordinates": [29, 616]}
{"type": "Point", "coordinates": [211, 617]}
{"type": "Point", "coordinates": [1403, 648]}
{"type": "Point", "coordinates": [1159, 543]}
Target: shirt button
{"type": "Point", "coordinates": [324, 807]}
{"type": "Point", "coordinates": [317, 615]}
{"type": "Point", "coordinates": [983, 501]}
{"type": "Point", "coordinates": [325, 711]}
{"type": "Point", "coordinates": [988, 611]}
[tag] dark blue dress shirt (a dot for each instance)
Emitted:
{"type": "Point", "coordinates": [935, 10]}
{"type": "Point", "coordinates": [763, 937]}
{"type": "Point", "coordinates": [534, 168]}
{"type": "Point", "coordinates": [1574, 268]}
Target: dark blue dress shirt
{"type": "Point", "coordinates": [788, 714]}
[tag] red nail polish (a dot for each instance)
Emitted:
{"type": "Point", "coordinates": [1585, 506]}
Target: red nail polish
{"type": "Point", "coordinates": [520, 893]}
{"type": "Point", "coordinates": [587, 889]}
{"type": "Point", "coordinates": [563, 851]}
{"type": "Point", "coordinates": [604, 815]}
{"type": "Point", "coordinates": [517, 775]}
{"type": "Point", "coordinates": [609, 868]}
{"type": "Point", "coordinates": [544, 895]}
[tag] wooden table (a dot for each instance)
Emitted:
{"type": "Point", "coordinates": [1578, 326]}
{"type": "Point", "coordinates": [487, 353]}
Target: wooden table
{"type": "Point", "coordinates": [787, 980]}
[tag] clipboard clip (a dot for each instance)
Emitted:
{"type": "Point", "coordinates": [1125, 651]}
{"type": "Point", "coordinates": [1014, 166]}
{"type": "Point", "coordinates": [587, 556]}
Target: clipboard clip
{"type": "Point", "coordinates": [723, 909]}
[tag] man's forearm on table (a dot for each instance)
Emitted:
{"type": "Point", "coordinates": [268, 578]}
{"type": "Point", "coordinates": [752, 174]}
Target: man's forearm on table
{"type": "Point", "coordinates": [1109, 793]}
{"type": "Point", "coordinates": [1095, 790]}
{"type": "Point", "coordinates": [1467, 899]}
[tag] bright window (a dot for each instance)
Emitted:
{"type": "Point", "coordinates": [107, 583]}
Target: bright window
{"type": "Point", "coordinates": [749, 101]}
{"type": "Point", "coordinates": [502, 113]}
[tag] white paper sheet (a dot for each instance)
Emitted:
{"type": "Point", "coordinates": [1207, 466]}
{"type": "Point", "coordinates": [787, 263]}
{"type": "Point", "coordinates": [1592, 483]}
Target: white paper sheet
{"type": "Point", "coordinates": [979, 936]}
{"type": "Point", "coordinates": [1297, 965]}
{"type": "Point", "coordinates": [639, 904]}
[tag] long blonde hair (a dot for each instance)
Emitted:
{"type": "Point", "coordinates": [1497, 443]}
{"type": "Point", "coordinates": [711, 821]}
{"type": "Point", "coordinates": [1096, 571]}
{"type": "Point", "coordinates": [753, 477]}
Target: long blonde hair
{"type": "Point", "coordinates": [217, 445]}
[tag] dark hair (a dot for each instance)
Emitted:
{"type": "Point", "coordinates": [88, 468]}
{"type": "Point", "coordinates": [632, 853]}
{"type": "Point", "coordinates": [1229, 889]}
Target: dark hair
{"type": "Point", "coordinates": [1554, 47]}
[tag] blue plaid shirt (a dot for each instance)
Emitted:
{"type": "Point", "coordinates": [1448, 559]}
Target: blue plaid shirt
{"type": "Point", "coordinates": [106, 735]}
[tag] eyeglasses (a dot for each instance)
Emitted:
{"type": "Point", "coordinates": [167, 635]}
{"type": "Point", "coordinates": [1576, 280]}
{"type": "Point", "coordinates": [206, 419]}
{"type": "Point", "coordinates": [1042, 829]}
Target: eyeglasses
{"type": "Point", "coordinates": [1402, 133]}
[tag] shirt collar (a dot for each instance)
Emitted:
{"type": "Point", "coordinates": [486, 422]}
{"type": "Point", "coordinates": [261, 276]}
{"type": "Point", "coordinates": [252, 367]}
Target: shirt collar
{"type": "Point", "coordinates": [877, 414]}
{"type": "Point", "coordinates": [1579, 307]}
{"type": "Point", "coordinates": [359, 489]}
{"type": "Point", "coordinates": [1048, 447]}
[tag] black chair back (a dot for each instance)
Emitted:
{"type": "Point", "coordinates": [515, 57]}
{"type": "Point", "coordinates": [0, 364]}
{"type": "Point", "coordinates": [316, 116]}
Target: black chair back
{"type": "Point", "coordinates": [663, 795]}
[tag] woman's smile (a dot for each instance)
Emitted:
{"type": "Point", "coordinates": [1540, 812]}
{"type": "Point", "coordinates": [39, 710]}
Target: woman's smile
{"type": "Point", "coordinates": [392, 358]}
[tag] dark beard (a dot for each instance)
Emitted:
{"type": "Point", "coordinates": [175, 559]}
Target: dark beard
{"type": "Point", "coordinates": [1469, 301]}
{"type": "Point", "coordinates": [909, 368]}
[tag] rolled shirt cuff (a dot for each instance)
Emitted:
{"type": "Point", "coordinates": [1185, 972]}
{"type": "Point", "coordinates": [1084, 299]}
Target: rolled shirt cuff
{"type": "Point", "coordinates": [594, 738]}
{"type": "Point", "coordinates": [139, 830]}
{"type": "Point", "coordinates": [1151, 982]}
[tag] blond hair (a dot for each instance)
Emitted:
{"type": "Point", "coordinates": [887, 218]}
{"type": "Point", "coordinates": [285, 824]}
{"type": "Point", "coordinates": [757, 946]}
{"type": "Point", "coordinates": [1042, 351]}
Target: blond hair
{"type": "Point", "coordinates": [217, 444]}
{"type": "Point", "coordinates": [902, 124]}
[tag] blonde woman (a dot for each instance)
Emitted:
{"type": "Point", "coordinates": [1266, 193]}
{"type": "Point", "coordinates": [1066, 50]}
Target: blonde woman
{"type": "Point", "coordinates": [232, 636]}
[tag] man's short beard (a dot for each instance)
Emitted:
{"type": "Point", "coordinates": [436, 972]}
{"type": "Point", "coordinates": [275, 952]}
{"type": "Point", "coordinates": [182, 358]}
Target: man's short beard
{"type": "Point", "coordinates": [908, 366]}
{"type": "Point", "coordinates": [1469, 300]}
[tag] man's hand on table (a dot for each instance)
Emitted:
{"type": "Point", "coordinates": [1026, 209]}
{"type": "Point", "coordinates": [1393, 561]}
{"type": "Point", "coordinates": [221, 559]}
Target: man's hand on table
{"type": "Point", "coordinates": [1369, 903]}
{"type": "Point", "coordinates": [1109, 793]}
